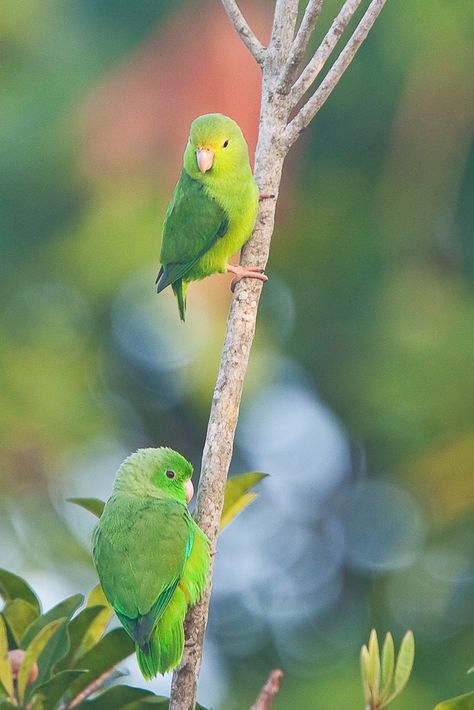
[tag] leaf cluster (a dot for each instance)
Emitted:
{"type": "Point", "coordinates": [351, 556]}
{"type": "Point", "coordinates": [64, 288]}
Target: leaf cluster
{"type": "Point", "coordinates": [385, 676]}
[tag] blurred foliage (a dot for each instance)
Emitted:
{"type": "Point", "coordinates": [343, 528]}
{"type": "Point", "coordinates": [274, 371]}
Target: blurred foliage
{"type": "Point", "coordinates": [359, 388]}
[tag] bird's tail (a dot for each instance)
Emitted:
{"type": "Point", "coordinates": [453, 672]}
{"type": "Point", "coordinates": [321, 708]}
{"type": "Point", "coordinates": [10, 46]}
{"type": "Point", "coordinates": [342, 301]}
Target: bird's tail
{"type": "Point", "coordinates": [164, 649]}
{"type": "Point", "coordinates": [179, 287]}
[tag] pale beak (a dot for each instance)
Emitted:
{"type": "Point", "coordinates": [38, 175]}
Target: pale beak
{"type": "Point", "coordinates": [205, 159]}
{"type": "Point", "coordinates": [189, 490]}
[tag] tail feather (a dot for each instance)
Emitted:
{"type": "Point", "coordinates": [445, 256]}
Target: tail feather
{"type": "Point", "coordinates": [164, 649]}
{"type": "Point", "coordinates": [179, 288]}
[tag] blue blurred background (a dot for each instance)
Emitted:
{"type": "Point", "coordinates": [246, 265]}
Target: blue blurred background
{"type": "Point", "coordinates": [359, 400]}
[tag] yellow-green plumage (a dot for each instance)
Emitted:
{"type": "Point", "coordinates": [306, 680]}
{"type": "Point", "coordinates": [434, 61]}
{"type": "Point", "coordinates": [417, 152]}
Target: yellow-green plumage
{"type": "Point", "coordinates": [151, 557]}
{"type": "Point", "coordinates": [212, 212]}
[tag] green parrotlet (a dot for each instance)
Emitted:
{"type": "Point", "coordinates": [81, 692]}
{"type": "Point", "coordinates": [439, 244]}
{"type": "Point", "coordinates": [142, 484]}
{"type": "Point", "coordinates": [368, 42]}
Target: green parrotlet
{"type": "Point", "coordinates": [213, 208]}
{"type": "Point", "coordinates": [151, 557]}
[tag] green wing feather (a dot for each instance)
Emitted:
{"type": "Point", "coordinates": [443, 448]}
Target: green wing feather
{"type": "Point", "coordinates": [193, 223]}
{"type": "Point", "coordinates": [140, 563]}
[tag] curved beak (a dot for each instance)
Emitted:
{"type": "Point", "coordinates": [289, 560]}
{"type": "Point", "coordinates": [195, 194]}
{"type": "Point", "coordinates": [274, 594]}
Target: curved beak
{"type": "Point", "coordinates": [204, 159]}
{"type": "Point", "coordinates": [189, 490]}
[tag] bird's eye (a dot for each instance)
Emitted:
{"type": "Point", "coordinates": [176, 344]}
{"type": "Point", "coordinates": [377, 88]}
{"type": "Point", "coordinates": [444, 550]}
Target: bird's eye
{"type": "Point", "coordinates": [226, 143]}
{"type": "Point", "coordinates": [170, 474]}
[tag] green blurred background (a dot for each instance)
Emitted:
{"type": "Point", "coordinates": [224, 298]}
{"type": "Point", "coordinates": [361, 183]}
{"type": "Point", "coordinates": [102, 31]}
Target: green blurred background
{"type": "Point", "coordinates": [359, 399]}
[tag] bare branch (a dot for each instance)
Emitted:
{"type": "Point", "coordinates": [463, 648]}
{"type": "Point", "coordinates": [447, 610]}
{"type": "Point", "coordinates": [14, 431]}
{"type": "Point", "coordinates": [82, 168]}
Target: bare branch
{"type": "Point", "coordinates": [324, 50]}
{"type": "Point", "coordinates": [283, 29]}
{"type": "Point", "coordinates": [312, 106]}
{"type": "Point", "coordinates": [269, 691]}
{"type": "Point", "coordinates": [255, 47]}
{"type": "Point", "coordinates": [300, 43]}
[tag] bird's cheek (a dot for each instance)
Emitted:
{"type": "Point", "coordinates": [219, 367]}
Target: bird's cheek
{"type": "Point", "coordinates": [189, 490]}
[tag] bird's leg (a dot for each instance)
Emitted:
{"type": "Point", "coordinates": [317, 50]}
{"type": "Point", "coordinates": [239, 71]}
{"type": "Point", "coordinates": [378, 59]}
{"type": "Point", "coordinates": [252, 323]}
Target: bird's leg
{"type": "Point", "coordinates": [189, 644]}
{"type": "Point", "coordinates": [245, 272]}
{"type": "Point", "coordinates": [266, 196]}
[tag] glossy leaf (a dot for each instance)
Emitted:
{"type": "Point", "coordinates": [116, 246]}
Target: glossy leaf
{"type": "Point", "coordinates": [33, 652]}
{"type": "Point", "coordinates": [14, 587]}
{"type": "Point", "coordinates": [97, 597]}
{"type": "Point", "coordinates": [6, 678]}
{"type": "Point", "coordinates": [56, 648]}
{"type": "Point", "coordinates": [237, 496]}
{"type": "Point", "coordinates": [92, 505]}
{"type": "Point", "coordinates": [122, 696]}
{"type": "Point", "coordinates": [84, 631]}
{"type": "Point", "coordinates": [462, 702]}
{"type": "Point", "coordinates": [388, 666]}
{"type": "Point", "coordinates": [404, 665]}
{"type": "Point", "coordinates": [364, 672]}
{"type": "Point", "coordinates": [51, 692]}
{"type": "Point", "coordinates": [64, 609]}
{"type": "Point", "coordinates": [19, 615]}
{"type": "Point", "coordinates": [110, 650]}
{"type": "Point", "coordinates": [374, 664]}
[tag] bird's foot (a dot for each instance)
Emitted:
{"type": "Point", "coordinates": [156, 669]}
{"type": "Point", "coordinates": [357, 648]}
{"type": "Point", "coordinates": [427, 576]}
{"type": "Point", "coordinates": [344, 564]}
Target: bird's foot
{"type": "Point", "coordinates": [266, 196]}
{"type": "Point", "coordinates": [212, 550]}
{"type": "Point", "coordinates": [189, 644]}
{"type": "Point", "coordinates": [245, 272]}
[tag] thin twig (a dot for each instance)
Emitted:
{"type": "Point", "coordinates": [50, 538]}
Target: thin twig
{"type": "Point", "coordinates": [89, 689]}
{"type": "Point", "coordinates": [300, 43]}
{"type": "Point", "coordinates": [324, 50]}
{"type": "Point", "coordinates": [247, 36]}
{"type": "Point", "coordinates": [269, 691]}
{"type": "Point", "coordinates": [312, 106]}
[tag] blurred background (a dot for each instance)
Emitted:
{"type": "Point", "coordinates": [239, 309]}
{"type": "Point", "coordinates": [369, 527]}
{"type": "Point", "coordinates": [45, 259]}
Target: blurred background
{"type": "Point", "coordinates": [359, 400]}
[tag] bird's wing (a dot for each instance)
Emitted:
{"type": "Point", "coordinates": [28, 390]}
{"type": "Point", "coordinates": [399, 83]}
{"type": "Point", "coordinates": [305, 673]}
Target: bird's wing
{"type": "Point", "coordinates": [140, 548]}
{"type": "Point", "coordinates": [193, 223]}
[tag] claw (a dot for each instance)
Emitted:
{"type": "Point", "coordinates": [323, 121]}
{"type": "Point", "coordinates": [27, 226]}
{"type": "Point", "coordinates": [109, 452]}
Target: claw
{"type": "Point", "coordinates": [245, 272]}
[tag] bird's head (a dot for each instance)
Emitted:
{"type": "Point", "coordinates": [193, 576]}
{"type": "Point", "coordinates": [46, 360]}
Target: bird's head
{"type": "Point", "coordinates": [156, 472]}
{"type": "Point", "coordinates": [216, 146]}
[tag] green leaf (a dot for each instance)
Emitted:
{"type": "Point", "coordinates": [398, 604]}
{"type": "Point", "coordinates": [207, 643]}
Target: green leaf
{"type": "Point", "coordinates": [364, 673]}
{"type": "Point", "coordinates": [33, 652]}
{"type": "Point", "coordinates": [236, 495]}
{"type": "Point", "coordinates": [97, 597]}
{"type": "Point", "coordinates": [404, 665]}
{"type": "Point", "coordinates": [6, 677]}
{"type": "Point", "coordinates": [5, 705]}
{"type": "Point", "coordinates": [109, 651]}
{"type": "Point", "coordinates": [14, 587]}
{"type": "Point", "coordinates": [374, 665]}
{"type": "Point", "coordinates": [92, 505]}
{"type": "Point", "coordinates": [84, 631]}
{"type": "Point", "coordinates": [64, 609]}
{"type": "Point", "coordinates": [388, 665]}
{"type": "Point", "coordinates": [462, 702]}
{"type": "Point", "coordinates": [120, 697]}
{"type": "Point", "coordinates": [51, 692]}
{"type": "Point", "coordinates": [18, 615]}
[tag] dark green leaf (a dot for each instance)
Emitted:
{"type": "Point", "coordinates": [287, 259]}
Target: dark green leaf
{"type": "Point", "coordinates": [109, 651]}
{"type": "Point", "coordinates": [92, 505]}
{"type": "Point", "coordinates": [14, 587]}
{"type": "Point", "coordinates": [51, 692]}
{"type": "Point", "coordinates": [5, 705]}
{"type": "Point", "coordinates": [462, 702]}
{"type": "Point", "coordinates": [54, 651]}
{"type": "Point", "coordinates": [64, 609]}
{"type": "Point", "coordinates": [18, 615]}
{"type": "Point", "coordinates": [84, 631]}
{"type": "Point", "coordinates": [120, 697]}
{"type": "Point", "coordinates": [237, 496]}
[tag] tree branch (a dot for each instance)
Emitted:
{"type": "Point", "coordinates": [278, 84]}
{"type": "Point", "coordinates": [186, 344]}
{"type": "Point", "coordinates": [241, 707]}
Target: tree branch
{"type": "Point", "coordinates": [274, 140]}
{"type": "Point", "coordinates": [324, 50]}
{"type": "Point", "coordinates": [255, 47]}
{"type": "Point", "coordinates": [312, 106]}
{"type": "Point", "coordinates": [300, 43]}
{"type": "Point", "coordinates": [269, 691]}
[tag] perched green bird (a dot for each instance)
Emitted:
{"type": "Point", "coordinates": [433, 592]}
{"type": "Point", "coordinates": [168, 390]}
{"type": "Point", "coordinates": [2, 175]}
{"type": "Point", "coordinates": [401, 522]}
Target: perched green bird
{"type": "Point", "coordinates": [151, 557]}
{"type": "Point", "coordinates": [213, 208]}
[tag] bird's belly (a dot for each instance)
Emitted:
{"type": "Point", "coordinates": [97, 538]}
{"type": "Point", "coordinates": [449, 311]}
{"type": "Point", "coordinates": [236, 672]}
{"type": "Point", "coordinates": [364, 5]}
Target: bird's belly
{"type": "Point", "coordinates": [216, 258]}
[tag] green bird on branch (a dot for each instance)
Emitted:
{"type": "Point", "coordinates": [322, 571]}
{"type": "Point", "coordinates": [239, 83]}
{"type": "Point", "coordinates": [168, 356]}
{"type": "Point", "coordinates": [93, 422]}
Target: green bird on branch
{"type": "Point", "coordinates": [213, 208]}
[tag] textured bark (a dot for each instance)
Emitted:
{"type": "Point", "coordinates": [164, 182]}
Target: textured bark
{"type": "Point", "coordinates": [269, 691]}
{"type": "Point", "coordinates": [276, 135]}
